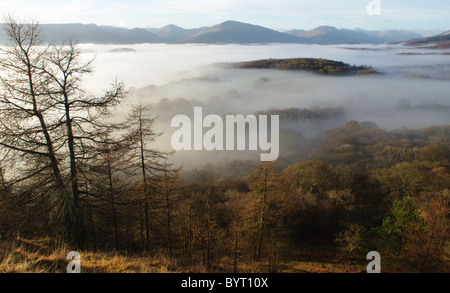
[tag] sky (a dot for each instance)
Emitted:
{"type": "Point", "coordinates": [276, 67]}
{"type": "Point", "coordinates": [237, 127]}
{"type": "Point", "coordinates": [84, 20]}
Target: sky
{"type": "Point", "coordinates": [417, 15]}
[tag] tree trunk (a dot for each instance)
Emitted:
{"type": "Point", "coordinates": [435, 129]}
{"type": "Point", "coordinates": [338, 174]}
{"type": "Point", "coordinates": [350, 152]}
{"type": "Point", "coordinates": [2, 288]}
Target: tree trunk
{"type": "Point", "coordinates": [144, 184]}
{"type": "Point", "coordinates": [113, 207]}
{"type": "Point", "coordinates": [169, 229]}
{"type": "Point", "coordinates": [79, 229]}
{"type": "Point", "coordinates": [262, 218]}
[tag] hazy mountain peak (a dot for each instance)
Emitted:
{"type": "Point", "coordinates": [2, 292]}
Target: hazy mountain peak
{"type": "Point", "coordinates": [168, 29]}
{"type": "Point", "coordinates": [326, 28]}
{"type": "Point", "coordinates": [238, 32]}
{"type": "Point", "coordinates": [320, 30]}
{"type": "Point", "coordinates": [231, 25]}
{"type": "Point", "coordinates": [295, 32]}
{"type": "Point", "coordinates": [172, 26]}
{"type": "Point", "coordinates": [175, 34]}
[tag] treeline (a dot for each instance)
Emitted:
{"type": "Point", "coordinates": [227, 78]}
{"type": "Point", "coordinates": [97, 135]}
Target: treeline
{"type": "Point", "coordinates": [316, 65]}
{"type": "Point", "coordinates": [359, 189]}
{"type": "Point", "coordinates": [296, 114]}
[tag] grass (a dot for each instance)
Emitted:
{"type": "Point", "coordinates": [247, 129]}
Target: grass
{"type": "Point", "coordinates": [49, 256]}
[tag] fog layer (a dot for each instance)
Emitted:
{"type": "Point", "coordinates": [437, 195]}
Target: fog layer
{"type": "Point", "coordinates": [413, 92]}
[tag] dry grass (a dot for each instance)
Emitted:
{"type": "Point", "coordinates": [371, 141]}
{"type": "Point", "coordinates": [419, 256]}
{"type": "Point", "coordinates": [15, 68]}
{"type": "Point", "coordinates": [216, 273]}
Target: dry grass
{"type": "Point", "coordinates": [322, 267]}
{"type": "Point", "coordinates": [324, 262]}
{"type": "Point", "coordinates": [49, 256]}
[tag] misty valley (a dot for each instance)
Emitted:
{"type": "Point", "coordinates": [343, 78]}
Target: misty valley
{"type": "Point", "coordinates": [132, 178]}
{"type": "Point", "coordinates": [308, 103]}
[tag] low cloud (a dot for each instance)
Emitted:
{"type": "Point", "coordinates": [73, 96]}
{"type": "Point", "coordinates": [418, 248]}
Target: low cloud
{"type": "Point", "coordinates": [412, 93]}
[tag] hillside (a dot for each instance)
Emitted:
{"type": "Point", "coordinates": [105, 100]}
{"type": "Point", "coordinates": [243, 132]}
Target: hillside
{"type": "Point", "coordinates": [241, 33]}
{"type": "Point", "coordinates": [331, 35]}
{"type": "Point", "coordinates": [391, 36]}
{"type": "Point", "coordinates": [320, 66]}
{"type": "Point", "coordinates": [175, 34]}
{"type": "Point", "coordinates": [441, 41]}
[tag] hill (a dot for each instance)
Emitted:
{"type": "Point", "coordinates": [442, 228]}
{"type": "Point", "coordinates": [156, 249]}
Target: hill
{"type": "Point", "coordinates": [391, 36]}
{"type": "Point", "coordinates": [241, 33]}
{"type": "Point", "coordinates": [441, 41]}
{"type": "Point", "coordinates": [331, 35]}
{"type": "Point", "coordinates": [320, 66]}
{"type": "Point", "coordinates": [175, 34]}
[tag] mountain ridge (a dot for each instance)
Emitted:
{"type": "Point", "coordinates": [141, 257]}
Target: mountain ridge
{"type": "Point", "coordinates": [332, 35]}
{"type": "Point", "coordinates": [440, 41]}
{"type": "Point", "coordinates": [174, 34]}
{"type": "Point", "coordinates": [227, 32]}
{"type": "Point", "coordinates": [238, 32]}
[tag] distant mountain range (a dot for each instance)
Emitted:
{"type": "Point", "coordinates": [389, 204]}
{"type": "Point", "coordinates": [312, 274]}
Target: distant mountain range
{"type": "Point", "coordinates": [224, 33]}
{"type": "Point", "coordinates": [332, 35]}
{"type": "Point", "coordinates": [91, 33]}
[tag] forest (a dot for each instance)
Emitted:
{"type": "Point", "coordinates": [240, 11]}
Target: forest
{"type": "Point", "coordinates": [315, 65]}
{"type": "Point", "coordinates": [73, 178]}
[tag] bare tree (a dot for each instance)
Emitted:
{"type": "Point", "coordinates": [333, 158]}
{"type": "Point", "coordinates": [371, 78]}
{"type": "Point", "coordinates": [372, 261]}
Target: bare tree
{"type": "Point", "coordinates": [170, 187]}
{"type": "Point", "coordinates": [108, 179]}
{"type": "Point", "coordinates": [81, 113]}
{"type": "Point", "coordinates": [47, 118]}
{"type": "Point", "coordinates": [26, 123]}
{"type": "Point", "coordinates": [150, 163]}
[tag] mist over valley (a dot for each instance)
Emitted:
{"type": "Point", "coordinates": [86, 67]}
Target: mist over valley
{"type": "Point", "coordinates": [412, 91]}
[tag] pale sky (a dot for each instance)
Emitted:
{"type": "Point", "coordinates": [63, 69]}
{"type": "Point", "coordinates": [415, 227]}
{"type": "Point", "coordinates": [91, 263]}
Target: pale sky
{"type": "Point", "coordinates": [425, 15]}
